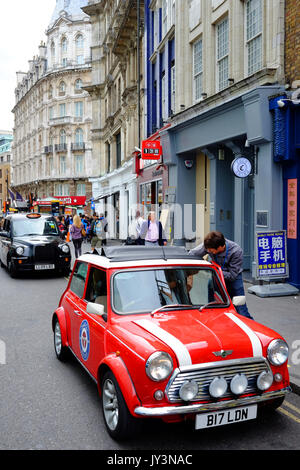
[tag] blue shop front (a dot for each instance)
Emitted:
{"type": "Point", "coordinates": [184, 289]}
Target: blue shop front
{"type": "Point", "coordinates": [286, 125]}
{"type": "Point", "coordinates": [200, 148]}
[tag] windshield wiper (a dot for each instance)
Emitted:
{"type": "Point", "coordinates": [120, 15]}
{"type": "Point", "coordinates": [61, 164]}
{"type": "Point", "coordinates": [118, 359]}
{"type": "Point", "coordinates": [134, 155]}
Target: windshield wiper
{"type": "Point", "coordinates": [210, 303]}
{"type": "Point", "coordinates": [170, 306]}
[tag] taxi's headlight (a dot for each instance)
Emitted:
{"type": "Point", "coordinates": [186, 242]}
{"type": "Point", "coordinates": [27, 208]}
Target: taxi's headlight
{"type": "Point", "coordinates": [159, 366]}
{"type": "Point", "coordinates": [20, 250]}
{"type": "Point", "coordinates": [65, 248]}
{"type": "Point", "coordinates": [278, 352]}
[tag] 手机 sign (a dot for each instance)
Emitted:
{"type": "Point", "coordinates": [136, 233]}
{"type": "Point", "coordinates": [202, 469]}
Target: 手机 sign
{"type": "Point", "coordinates": [271, 252]}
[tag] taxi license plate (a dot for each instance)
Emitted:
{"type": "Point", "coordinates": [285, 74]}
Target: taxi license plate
{"type": "Point", "coordinates": [221, 418]}
{"type": "Point", "coordinates": [41, 267]}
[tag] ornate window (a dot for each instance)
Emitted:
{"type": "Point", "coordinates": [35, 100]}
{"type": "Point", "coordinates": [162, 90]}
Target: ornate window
{"type": "Point", "coordinates": [62, 137]}
{"type": "Point", "coordinates": [78, 84]}
{"type": "Point", "coordinates": [79, 136]}
{"type": "Point", "coordinates": [79, 41]}
{"type": "Point", "coordinates": [62, 88]}
{"type": "Point", "coordinates": [64, 45]}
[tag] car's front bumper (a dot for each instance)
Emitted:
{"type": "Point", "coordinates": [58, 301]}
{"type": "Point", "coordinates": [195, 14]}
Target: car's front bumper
{"type": "Point", "coordinates": [205, 407]}
{"type": "Point", "coordinates": [28, 263]}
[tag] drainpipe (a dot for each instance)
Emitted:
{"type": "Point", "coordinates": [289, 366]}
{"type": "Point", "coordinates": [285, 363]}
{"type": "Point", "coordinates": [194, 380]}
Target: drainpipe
{"type": "Point", "coordinates": [139, 71]}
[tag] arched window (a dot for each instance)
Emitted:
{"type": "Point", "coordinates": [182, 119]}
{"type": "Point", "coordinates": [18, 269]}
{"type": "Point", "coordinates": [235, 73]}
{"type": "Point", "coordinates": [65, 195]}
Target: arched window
{"type": "Point", "coordinates": [78, 84]}
{"type": "Point", "coordinates": [62, 137]}
{"type": "Point", "coordinates": [64, 45]}
{"type": "Point", "coordinates": [79, 136]}
{"type": "Point", "coordinates": [52, 52]}
{"type": "Point", "coordinates": [79, 41]}
{"type": "Point", "coordinates": [62, 88]}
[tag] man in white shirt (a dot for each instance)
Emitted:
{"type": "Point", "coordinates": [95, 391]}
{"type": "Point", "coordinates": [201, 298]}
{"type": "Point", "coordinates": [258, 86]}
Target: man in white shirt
{"type": "Point", "coordinates": [138, 226]}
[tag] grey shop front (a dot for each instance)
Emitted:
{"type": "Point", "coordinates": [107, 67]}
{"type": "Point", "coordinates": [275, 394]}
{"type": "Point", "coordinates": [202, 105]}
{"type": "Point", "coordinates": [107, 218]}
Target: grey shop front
{"type": "Point", "coordinates": [199, 149]}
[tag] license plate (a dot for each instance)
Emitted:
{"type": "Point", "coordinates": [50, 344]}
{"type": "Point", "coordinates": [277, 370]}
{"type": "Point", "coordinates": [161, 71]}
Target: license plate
{"type": "Point", "coordinates": [41, 267]}
{"type": "Point", "coordinates": [221, 418]}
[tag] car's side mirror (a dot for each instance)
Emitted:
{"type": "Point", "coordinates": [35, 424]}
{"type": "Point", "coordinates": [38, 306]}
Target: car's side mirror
{"type": "Point", "coordinates": [239, 300]}
{"type": "Point", "coordinates": [95, 309]}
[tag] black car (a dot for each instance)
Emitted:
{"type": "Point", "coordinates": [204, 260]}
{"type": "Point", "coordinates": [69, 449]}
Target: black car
{"type": "Point", "coordinates": [33, 242]}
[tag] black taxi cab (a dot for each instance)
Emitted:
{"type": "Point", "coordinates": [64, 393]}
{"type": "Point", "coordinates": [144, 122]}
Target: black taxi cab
{"type": "Point", "coordinates": [33, 242]}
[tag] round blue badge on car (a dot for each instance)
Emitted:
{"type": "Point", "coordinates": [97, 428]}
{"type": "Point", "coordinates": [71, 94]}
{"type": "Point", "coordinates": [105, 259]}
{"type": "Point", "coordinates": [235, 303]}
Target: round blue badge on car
{"type": "Point", "coordinates": [84, 340]}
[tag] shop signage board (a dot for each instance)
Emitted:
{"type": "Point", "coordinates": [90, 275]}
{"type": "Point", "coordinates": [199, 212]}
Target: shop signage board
{"type": "Point", "coordinates": [72, 200]}
{"type": "Point", "coordinates": [151, 150]}
{"type": "Point", "coordinates": [271, 255]}
{"type": "Point", "coordinates": [292, 215]}
{"type": "Point", "coordinates": [272, 265]}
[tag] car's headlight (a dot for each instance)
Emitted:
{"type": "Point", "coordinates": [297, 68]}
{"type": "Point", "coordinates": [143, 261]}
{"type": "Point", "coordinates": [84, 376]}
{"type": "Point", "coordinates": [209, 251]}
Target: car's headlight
{"type": "Point", "coordinates": [20, 250]}
{"type": "Point", "coordinates": [278, 352]}
{"type": "Point", "coordinates": [159, 366]}
{"type": "Point", "coordinates": [65, 248]}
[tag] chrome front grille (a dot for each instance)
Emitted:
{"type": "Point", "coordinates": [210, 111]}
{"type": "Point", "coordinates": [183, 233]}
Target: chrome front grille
{"type": "Point", "coordinates": [203, 375]}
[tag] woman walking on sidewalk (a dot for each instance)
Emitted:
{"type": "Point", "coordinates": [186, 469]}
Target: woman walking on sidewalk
{"type": "Point", "coordinates": [76, 234]}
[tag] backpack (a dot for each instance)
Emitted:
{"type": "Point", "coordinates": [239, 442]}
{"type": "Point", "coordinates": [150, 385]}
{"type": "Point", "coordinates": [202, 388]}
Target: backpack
{"type": "Point", "coordinates": [98, 229]}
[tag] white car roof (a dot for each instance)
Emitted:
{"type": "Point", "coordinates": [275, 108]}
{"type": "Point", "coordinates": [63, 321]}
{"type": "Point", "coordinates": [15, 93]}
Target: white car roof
{"type": "Point", "coordinates": [137, 256]}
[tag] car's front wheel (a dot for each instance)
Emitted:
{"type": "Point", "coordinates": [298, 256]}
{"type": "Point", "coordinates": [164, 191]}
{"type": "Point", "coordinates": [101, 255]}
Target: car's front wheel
{"type": "Point", "coordinates": [119, 422]}
{"type": "Point", "coordinates": [11, 268]}
{"type": "Point", "coordinates": [60, 350]}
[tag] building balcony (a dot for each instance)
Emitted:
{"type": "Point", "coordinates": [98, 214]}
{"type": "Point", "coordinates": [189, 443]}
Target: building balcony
{"type": "Point", "coordinates": [48, 149]}
{"type": "Point", "coordinates": [61, 147]}
{"type": "Point", "coordinates": [75, 146]}
{"type": "Point", "coordinates": [60, 121]}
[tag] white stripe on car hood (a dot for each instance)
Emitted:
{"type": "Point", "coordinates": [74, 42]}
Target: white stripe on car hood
{"type": "Point", "coordinates": [256, 344]}
{"type": "Point", "coordinates": [183, 356]}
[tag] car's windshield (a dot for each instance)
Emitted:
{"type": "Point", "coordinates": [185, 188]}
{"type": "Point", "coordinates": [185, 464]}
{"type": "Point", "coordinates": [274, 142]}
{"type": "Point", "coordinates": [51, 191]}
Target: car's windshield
{"type": "Point", "coordinates": [41, 226]}
{"type": "Point", "coordinates": [150, 289]}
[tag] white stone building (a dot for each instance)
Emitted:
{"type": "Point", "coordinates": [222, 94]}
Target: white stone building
{"type": "Point", "coordinates": [118, 106]}
{"type": "Point", "coordinates": [52, 154]}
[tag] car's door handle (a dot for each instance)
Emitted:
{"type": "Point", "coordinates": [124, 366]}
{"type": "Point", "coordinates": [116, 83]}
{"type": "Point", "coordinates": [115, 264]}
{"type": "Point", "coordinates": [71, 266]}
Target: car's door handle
{"type": "Point", "coordinates": [78, 313]}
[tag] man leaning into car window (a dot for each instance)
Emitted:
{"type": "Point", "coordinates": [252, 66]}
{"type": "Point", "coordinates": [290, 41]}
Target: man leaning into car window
{"type": "Point", "coordinates": [229, 256]}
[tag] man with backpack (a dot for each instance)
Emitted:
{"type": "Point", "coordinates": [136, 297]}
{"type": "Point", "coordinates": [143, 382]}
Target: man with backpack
{"type": "Point", "coordinates": [98, 231]}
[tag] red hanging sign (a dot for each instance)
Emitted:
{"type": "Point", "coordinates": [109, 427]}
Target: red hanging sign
{"type": "Point", "coordinates": [292, 213]}
{"type": "Point", "coordinates": [151, 150]}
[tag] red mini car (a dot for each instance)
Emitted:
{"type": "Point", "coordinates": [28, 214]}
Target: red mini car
{"type": "Point", "coordinates": [157, 331]}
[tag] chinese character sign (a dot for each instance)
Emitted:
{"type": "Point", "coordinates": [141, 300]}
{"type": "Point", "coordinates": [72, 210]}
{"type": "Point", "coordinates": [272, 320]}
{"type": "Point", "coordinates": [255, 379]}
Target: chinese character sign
{"type": "Point", "coordinates": [292, 209]}
{"type": "Point", "coordinates": [271, 255]}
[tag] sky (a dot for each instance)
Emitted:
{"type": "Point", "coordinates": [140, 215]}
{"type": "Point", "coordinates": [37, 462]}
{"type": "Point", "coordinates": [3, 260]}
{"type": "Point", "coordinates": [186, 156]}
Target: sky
{"type": "Point", "coordinates": [23, 26]}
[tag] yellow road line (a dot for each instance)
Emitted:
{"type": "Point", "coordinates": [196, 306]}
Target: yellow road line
{"type": "Point", "coordinates": [290, 415]}
{"type": "Point", "coordinates": [293, 407]}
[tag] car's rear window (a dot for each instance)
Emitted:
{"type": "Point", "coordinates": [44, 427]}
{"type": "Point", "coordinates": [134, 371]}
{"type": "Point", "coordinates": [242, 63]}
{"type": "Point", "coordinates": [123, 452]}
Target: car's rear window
{"type": "Point", "coordinates": [149, 289]}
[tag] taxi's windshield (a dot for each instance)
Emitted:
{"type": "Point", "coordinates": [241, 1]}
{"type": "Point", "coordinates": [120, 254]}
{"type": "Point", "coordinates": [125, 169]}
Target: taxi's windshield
{"type": "Point", "coordinates": [42, 226]}
{"type": "Point", "coordinates": [150, 289]}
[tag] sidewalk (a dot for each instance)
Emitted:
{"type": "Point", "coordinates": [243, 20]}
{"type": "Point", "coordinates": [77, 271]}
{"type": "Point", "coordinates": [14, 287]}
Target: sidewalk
{"type": "Point", "coordinates": [281, 314]}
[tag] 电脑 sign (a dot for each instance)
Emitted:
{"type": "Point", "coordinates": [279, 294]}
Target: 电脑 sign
{"type": "Point", "coordinates": [271, 255]}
